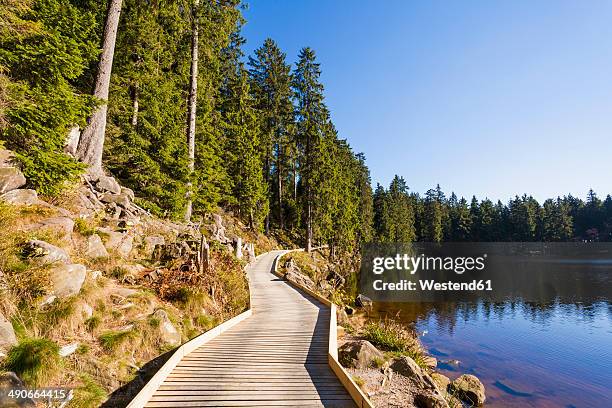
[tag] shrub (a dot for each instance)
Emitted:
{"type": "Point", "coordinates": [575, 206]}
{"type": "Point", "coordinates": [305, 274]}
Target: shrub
{"type": "Point", "coordinates": [389, 336]}
{"type": "Point", "coordinates": [84, 227]}
{"type": "Point", "coordinates": [35, 360]}
{"type": "Point", "coordinates": [93, 322]}
{"type": "Point", "coordinates": [113, 339]}
{"type": "Point", "coordinates": [90, 394]}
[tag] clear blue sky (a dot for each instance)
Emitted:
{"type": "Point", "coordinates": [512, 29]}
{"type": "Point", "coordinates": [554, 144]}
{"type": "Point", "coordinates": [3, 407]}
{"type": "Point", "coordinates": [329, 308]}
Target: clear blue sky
{"type": "Point", "coordinates": [492, 98]}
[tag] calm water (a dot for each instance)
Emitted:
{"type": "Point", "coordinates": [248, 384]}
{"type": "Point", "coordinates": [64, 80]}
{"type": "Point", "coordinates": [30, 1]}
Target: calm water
{"type": "Point", "coordinates": [555, 355]}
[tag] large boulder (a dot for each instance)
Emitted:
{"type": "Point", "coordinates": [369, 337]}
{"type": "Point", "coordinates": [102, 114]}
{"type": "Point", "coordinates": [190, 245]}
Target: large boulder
{"type": "Point", "coordinates": [11, 178]}
{"type": "Point", "coordinates": [295, 276]}
{"type": "Point", "coordinates": [359, 354]}
{"type": "Point", "coordinates": [10, 381]}
{"type": "Point", "coordinates": [62, 225]}
{"type": "Point", "coordinates": [430, 400]}
{"type": "Point", "coordinates": [120, 242]}
{"type": "Point", "coordinates": [44, 253]}
{"type": "Point", "coordinates": [120, 199]}
{"type": "Point", "coordinates": [151, 242]}
{"type": "Point", "coordinates": [442, 382]}
{"type": "Point", "coordinates": [7, 334]}
{"type": "Point", "coordinates": [20, 197]}
{"type": "Point", "coordinates": [95, 247]}
{"type": "Point", "coordinates": [67, 280]}
{"type": "Point", "coordinates": [168, 332]}
{"type": "Point", "coordinates": [469, 388]}
{"type": "Point", "coordinates": [407, 367]}
{"type": "Point", "coordinates": [106, 183]}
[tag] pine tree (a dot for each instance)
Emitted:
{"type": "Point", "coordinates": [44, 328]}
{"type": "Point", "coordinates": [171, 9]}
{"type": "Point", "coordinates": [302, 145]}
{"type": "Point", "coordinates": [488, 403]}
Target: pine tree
{"type": "Point", "coordinates": [271, 78]}
{"type": "Point", "coordinates": [45, 51]}
{"type": "Point", "coordinates": [249, 187]}
{"type": "Point", "coordinates": [151, 67]}
{"type": "Point", "coordinates": [311, 118]}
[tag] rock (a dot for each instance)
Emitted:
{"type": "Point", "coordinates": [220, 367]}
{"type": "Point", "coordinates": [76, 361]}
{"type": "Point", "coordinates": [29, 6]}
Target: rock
{"type": "Point", "coordinates": [430, 361]}
{"type": "Point", "coordinates": [85, 310]}
{"type": "Point", "coordinates": [469, 388]}
{"type": "Point", "coordinates": [407, 367]}
{"type": "Point", "coordinates": [95, 247]}
{"type": "Point", "coordinates": [47, 301]}
{"type": "Point", "coordinates": [358, 354]}
{"type": "Point", "coordinates": [8, 381]}
{"type": "Point", "coordinates": [342, 318]}
{"type": "Point", "coordinates": [293, 275]}
{"type": "Point", "coordinates": [20, 197]}
{"type": "Point", "coordinates": [11, 178]}
{"type": "Point", "coordinates": [120, 242]}
{"type": "Point", "coordinates": [67, 280]}
{"type": "Point", "coordinates": [125, 247]}
{"type": "Point", "coordinates": [151, 242]}
{"type": "Point", "coordinates": [363, 301]}
{"type": "Point", "coordinates": [67, 350]}
{"type": "Point", "coordinates": [430, 400]}
{"type": "Point", "coordinates": [72, 141]}
{"type": "Point", "coordinates": [95, 274]}
{"type": "Point", "coordinates": [124, 292]}
{"type": "Point", "coordinates": [106, 183]}
{"type": "Point", "coordinates": [44, 253]}
{"type": "Point", "coordinates": [441, 381]}
{"type": "Point", "coordinates": [63, 225]}
{"type": "Point", "coordinates": [7, 158]}
{"type": "Point", "coordinates": [168, 332]}
{"type": "Point", "coordinates": [128, 192]}
{"type": "Point", "coordinates": [121, 199]}
{"type": "Point", "coordinates": [7, 334]}
{"type": "Point", "coordinates": [132, 273]}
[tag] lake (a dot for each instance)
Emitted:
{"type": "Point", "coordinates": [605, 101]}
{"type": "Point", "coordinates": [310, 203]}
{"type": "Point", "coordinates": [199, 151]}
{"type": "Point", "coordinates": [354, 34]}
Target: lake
{"type": "Point", "coordinates": [526, 355]}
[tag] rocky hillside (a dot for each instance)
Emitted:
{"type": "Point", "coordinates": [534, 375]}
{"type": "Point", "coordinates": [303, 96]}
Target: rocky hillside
{"type": "Point", "coordinates": [94, 287]}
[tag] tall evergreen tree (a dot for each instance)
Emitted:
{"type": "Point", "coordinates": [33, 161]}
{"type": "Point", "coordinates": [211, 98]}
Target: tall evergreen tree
{"type": "Point", "coordinates": [271, 78]}
{"type": "Point", "coordinates": [311, 116]}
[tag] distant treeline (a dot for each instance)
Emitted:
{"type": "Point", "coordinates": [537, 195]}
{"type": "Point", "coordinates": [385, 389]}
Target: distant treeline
{"type": "Point", "coordinates": [403, 216]}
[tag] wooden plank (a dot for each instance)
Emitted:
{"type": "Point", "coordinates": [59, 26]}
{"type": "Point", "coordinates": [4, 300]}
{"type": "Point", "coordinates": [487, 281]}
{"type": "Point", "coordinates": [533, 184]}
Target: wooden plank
{"type": "Point", "coordinates": [276, 358]}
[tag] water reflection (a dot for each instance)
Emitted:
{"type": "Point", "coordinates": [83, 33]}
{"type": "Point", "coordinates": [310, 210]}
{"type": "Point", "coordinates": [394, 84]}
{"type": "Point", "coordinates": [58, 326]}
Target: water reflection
{"type": "Point", "coordinates": [527, 354]}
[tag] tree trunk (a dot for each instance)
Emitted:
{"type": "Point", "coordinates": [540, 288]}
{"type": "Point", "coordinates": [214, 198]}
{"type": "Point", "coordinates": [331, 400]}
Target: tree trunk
{"type": "Point", "coordinates": [267, 178]}
{"type": "Point", "coordinates": [134, 106]}
{"type": "Point", "coordinates": [193, 100]}
{"type": "Point", "coordinates": [91, 144]}
{"type": "Point", "coordinates": [279, 181]}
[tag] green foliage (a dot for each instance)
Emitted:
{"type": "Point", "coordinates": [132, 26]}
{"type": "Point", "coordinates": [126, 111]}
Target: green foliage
{"type": "Point", "coordinates": [44, 64]}
{"type": "Point", "coordinates": [35, 361]}
{"type": "Point", "coordinates": [93, 322]}
{"type": "Point", "coordinates": [113, 339]}
{"type": "Point", "coordinates": [84, 227]}
{"type": "Point", "coordinates": [89, 394]}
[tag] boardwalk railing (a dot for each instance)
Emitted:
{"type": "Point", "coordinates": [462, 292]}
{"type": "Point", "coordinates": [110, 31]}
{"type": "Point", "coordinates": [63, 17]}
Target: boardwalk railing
{"type": "Point", "coordinates": [153, 384]}
{"type": "Point", "coordinates": [345, 378]}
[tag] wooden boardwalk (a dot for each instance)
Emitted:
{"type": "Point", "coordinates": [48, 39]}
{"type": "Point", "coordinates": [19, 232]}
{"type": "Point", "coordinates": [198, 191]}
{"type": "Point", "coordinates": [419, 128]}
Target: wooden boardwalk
{"type": "Point", "coordinates": [275, 358]}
